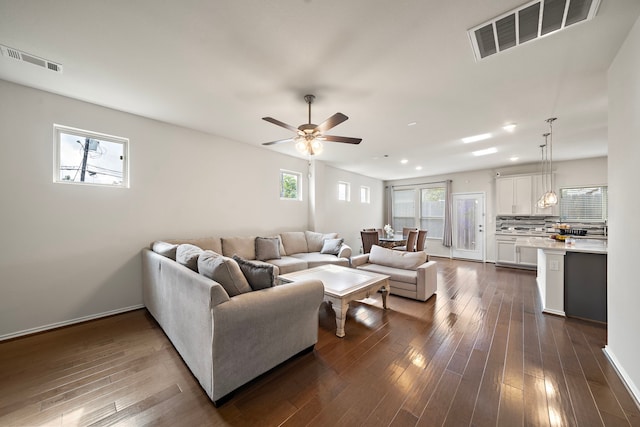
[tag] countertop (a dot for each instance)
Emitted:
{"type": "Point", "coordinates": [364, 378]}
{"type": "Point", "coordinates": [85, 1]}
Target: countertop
{"type": "Point", "coordinates": [593, 246]}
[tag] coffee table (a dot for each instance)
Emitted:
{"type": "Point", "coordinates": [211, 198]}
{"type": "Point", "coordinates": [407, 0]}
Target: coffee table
{"type": "Point", "coordinates": [343, 285]}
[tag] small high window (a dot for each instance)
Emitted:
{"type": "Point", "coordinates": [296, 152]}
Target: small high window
{"type": "Point", "coordinates": [290, 183]}
{"type": "Point", "coordinates": [344, 191]}
{"type": "Point", "coordinates": [365, 194]}
{"type": "Point", "coordinates": [86, 157]}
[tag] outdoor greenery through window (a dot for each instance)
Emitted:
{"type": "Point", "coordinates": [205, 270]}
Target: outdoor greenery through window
{"type": "Point", "coordinates": [584, 204]}
{"type": "Point", "coordinates": [290, 183]}
{"type": "Point", "coordinates": [420, 206]}
{"type": "Point", "coordinates": [85, 157]}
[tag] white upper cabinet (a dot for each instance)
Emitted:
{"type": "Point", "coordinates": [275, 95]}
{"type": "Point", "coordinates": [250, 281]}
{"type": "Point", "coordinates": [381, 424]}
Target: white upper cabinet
{"type": "Point", "coordinates": [513, 195]}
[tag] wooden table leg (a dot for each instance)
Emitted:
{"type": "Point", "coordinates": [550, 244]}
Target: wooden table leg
{"type": "Point", "coordinates": [384, 290]}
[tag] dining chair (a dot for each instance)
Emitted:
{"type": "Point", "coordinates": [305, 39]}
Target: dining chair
{"type": "Point", "coordinates": [412, 236]}
{"type": "Point", "coordinates": [406, 230]}
{"type": "Point", "coordinates": [369, 238]}
{"type": "Point", "coordinates": [421, 240]}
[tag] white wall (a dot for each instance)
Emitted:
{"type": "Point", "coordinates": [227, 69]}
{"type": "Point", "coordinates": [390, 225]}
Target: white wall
{"type": "Point", "coordinates": [346, 218]}
{"type": "Point", "coordinates": [567, 173]}
{"type": "Point", "coordinates": [624, 228]}
{"type": "Point", "coordinates": [73, 252]}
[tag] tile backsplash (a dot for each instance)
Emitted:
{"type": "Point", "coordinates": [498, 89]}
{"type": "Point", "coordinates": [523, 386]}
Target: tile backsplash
{"type": "Point", "coordinates": [540, 224]}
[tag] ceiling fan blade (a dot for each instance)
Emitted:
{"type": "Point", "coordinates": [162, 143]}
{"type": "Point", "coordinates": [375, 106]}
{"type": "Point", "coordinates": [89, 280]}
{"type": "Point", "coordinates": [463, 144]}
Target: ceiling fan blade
{"type": "Point", "coordinates": [280, 141]}
{"type": "Point", "coordinates": [346, 139]}
{"type": "Point", "coordinates": [281, 124]}
{"type": "Point", "coordinates": [332, 121]}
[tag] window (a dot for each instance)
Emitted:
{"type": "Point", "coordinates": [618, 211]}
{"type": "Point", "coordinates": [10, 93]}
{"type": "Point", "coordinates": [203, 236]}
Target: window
{"type": "Point", "coordinates": [432, 201]}
{"type": "Point", "coordinates": [365, 195]}
{"type": "Point", "coordinates": [85, 157]}
{"type": "Point", "coordinates": [584, 204]}
{"type": "Point", "coordinates": [344, 191]}
{"type": "Point", "coordinates": [421, 206]}
{"type": "Point", "coordinates": [290, 183]}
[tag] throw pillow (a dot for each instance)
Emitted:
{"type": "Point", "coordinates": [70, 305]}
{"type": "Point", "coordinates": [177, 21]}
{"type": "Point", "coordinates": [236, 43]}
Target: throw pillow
{"type": "Point", "coordinates": [315, 240]}
{"type": "Point", "coordinates": [187, 255]}
{"type": "Point", "coordinates": [267, 248]}
{"type": "Point", "coordinates": [259, 276]}
{"type": "Point", "coordinates": [165, 249]}
{"type": "Point", "coordinates": [225, 271]}
{"type": "Point", "coordinates": [397, 259]}
{"type": "Point", "coordinates": [331, 246]}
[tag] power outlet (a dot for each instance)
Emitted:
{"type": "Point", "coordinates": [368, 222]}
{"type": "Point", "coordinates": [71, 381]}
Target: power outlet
{"type": "Point", "coordinates": [554, 265]}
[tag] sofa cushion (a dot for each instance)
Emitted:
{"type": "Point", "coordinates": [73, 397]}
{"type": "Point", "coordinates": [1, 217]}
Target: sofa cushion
{"type": "Point", "coordinates": [204, 243]}
{"type": "Point", "coordinates": [315, 259]}
{"type": "Point", "coordinates": [165, 249]}
{"type": "Point", "coordinates": [187, 255]}
{"type": "Point", "coordinates": [294, 242]}
{"type": "Point", "coordinates": [244, 247]}
{"type": "Point", "coordinates": [289, 264]}
{"type": "Point", "coordinates": [267, 248]}
{"type": "Point", "coordinates": [315, 240]}
{"type": "Point", "coordinates": [397, 259]}
{"type": "Point", "coordinates": [331, 246]}
{"type": "Point", "coordinates": [259, 276]}
{"type": "Point", "coordinates": [395, 274]}
{"type": "Point", "coordinates": [225, 271]}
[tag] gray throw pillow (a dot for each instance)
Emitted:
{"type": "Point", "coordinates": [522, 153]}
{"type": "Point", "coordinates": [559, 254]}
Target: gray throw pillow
{"type": "Point", "coordinates": [225, 271]}
{"type": "Point", "coordinates": [267, 248]}
{"type": "Point", "coordinates": [259, 276]}
{"type": "Point", "coordinates": [187, 255]}
{"type": "Point", "coordinates": [331, 246]}
{"type": "Point", "coordinates": [165, 249]}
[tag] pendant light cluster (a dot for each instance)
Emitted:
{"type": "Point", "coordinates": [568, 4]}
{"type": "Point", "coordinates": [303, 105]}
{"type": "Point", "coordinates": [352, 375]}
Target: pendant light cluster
{"type": "Point", "coordinates": [549, 198]}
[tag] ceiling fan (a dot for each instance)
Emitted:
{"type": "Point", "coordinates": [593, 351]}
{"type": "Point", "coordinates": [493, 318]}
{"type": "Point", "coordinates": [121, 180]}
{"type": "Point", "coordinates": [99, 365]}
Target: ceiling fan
{"type": "Point", "coordinates": [309, 136]}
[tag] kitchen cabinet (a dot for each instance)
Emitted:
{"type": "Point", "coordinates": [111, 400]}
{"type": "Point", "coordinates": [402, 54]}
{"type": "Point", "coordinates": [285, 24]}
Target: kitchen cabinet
{"type": "Point", "coordinates": [505, 250]}
{"type": "Point", "coordinates": [526, 257]}
{"type": "Point", "coordinates": [513, 195]}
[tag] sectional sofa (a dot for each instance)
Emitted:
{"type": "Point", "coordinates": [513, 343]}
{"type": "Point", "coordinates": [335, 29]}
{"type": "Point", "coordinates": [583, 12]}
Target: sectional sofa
{"type": "Point", "coordinates": [225, 316]}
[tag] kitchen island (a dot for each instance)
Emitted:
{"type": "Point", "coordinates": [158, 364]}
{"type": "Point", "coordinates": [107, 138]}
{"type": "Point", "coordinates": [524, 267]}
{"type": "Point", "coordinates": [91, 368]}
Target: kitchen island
{"type": "Point", "coordinates": [571, 278]}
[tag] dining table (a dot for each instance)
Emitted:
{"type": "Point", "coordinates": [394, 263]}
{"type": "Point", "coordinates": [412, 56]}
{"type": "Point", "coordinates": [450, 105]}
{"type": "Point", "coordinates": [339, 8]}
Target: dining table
{"type": "Point", "coordinates": [393, 241]}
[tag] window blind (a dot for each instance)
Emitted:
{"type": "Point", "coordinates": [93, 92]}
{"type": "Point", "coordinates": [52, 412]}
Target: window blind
{"type": "Point", "coordinates": [584, 204]}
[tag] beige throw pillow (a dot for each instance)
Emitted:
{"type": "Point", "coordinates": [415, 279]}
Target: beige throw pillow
{"type": "Point", "coordinates": [267, 248]}
{"type": "Point", "coordinates": [225, 271]}
{"type": "Point", "coordinates": [187, 255]}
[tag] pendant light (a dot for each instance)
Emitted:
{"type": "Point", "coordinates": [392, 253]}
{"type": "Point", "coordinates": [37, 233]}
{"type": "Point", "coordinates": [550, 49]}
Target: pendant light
{"type": "Point", "coordinates": [550, 196]}
{"type": "Point", "coordinates": [543, 171]}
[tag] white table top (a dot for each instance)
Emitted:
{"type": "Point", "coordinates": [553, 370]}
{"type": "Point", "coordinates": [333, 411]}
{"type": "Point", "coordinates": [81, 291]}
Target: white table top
{"type": "Point", "coordinates": [337, 280]}
{"type": "Point", "coordinates": [594, 246]}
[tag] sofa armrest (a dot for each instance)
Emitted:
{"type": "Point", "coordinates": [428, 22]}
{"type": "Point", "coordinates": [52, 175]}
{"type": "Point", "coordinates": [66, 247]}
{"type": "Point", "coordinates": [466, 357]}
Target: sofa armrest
{"type": "Point", "coordinates": [427, 280]}
{"type": "Point", "coordinates": [359, 260]}
{"type": "Point", "coordinates": [256, 331]}
{"type": "Point", "coordinates": [345, 251]}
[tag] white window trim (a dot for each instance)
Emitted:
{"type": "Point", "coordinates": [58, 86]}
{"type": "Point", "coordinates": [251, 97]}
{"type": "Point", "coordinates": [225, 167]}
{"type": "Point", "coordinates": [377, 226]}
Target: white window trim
{"type": "Point", "coordinates": [58, 129]}
{"type": "Point", "coordinates": [347, 191]}
{"type": "Point", "coordinates": [367, 192]}
{"type": "Point", "coordinates": [290, 172]}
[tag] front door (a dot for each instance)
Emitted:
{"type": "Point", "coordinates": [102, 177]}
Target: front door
{"type": "Point", "coordinates": [468, 226]}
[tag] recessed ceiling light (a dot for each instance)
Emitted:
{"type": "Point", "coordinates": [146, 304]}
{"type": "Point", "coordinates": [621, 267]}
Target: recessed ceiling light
{"type": "Point", "coordinates": [514, 158]}
{"type": "Point", "coordinates": [476, 138]}
{"type": "Point", "coordinates": [485, 151]}
{"type": "Point", "coordinates": [412, 123]}
{"type": "Point", "coordinates": [404, 161]}
{"type": "Point", "coordinates": [509, 127]}
{"type": "Point", "coordinates": [418, 168]}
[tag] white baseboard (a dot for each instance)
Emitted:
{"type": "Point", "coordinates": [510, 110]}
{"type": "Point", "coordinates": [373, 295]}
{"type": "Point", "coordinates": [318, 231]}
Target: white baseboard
{"type": "Point", "coordinates": [69, 322]}
{"type": "Point", "coordinates": [635, 392]}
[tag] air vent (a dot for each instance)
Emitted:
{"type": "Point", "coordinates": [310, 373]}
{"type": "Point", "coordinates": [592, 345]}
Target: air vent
{"type": "Point", "coordinates": [529, 22]}
{"type": "Point", "coordinates": [19, 55]}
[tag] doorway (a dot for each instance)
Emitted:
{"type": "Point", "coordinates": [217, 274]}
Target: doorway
{"type": "Point", "coordinates": [468, 226]}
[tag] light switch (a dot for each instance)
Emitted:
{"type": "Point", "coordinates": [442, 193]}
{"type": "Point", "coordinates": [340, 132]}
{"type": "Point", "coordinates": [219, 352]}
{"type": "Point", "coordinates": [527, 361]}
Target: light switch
{"type": "Point", "coordinates": [553, 265]}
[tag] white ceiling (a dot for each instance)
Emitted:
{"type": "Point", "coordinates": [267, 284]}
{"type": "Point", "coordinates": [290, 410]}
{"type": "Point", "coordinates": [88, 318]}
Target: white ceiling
{"type": "Point", "coordinates": [220, 66]}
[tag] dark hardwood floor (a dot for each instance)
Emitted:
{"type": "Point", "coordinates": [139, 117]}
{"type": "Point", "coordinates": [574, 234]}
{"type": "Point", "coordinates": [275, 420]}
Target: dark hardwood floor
{"type": "Point", "coordinates": [480, 353]}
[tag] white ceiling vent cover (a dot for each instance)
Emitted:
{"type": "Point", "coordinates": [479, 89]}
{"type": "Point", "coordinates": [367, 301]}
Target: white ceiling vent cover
{"type": "Point", "coordinates": [19, 55]}
{"type": "Point", "coordinates": [530, 21]}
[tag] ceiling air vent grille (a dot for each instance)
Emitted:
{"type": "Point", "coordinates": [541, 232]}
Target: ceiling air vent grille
{"type": "Point", "coordinates": [19, 55]}
{"type": "Point", "coordinates": [528, 22]}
